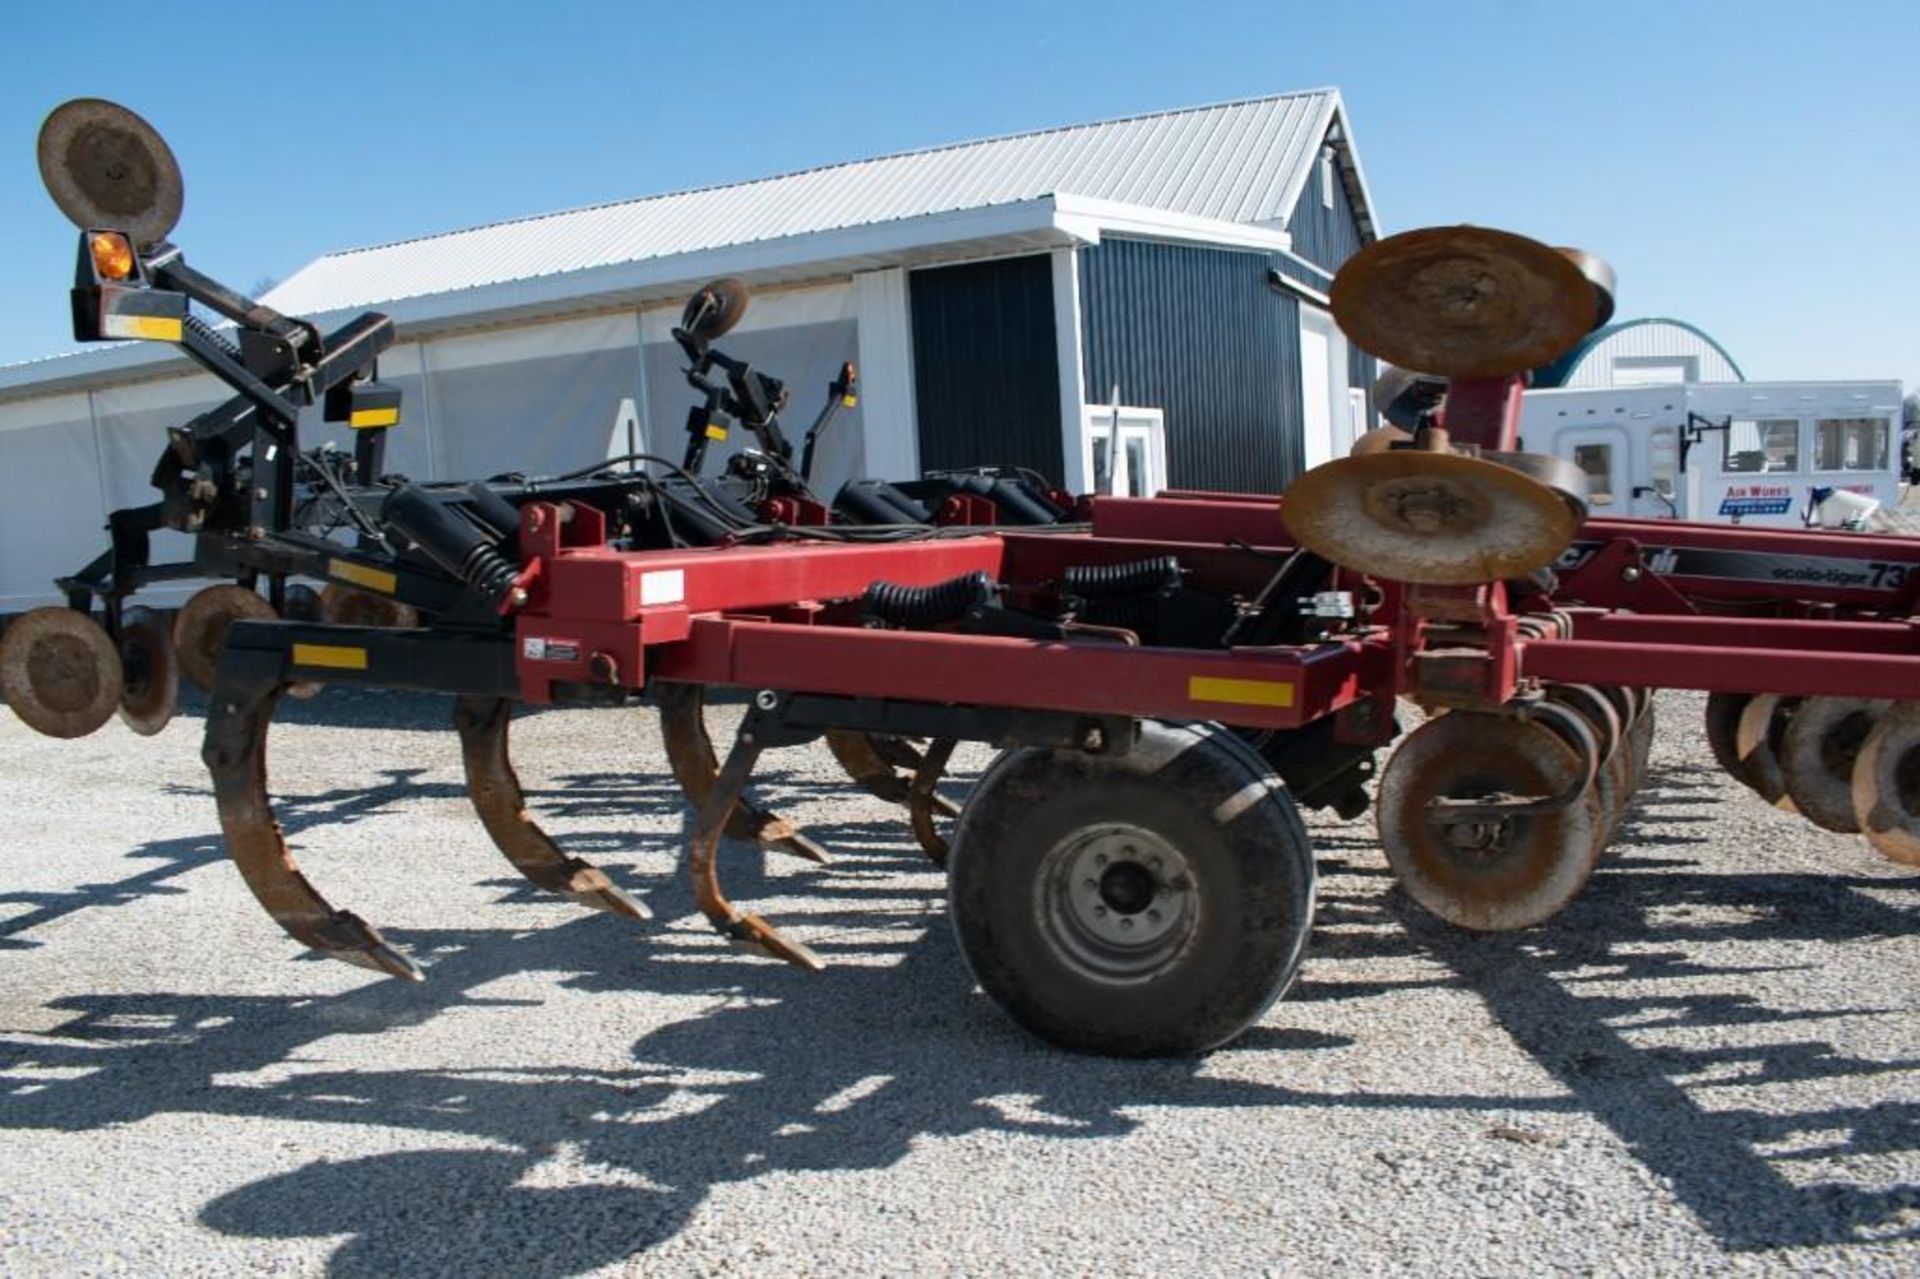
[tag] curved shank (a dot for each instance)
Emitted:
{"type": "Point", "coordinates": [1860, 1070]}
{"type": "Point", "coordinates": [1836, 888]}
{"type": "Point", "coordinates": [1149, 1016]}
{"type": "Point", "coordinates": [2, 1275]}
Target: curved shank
{"type": "Point", "coordinates": [502, 807]}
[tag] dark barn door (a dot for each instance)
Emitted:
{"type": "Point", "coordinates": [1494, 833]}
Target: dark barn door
{"type": "Point", "coordinates": [986, 373]}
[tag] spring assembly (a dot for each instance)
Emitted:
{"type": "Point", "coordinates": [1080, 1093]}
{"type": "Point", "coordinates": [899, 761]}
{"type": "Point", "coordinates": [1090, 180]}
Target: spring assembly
{"type": "Point", "coordinates": [1094, 581]}
{"type": "Point", "coordinates": [454, 543]}
{"type": "Point", "coordinates": [948, 601]}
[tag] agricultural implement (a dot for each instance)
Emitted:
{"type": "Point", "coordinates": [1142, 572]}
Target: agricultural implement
{"type": "Point", "coordinates": [1164, 680]}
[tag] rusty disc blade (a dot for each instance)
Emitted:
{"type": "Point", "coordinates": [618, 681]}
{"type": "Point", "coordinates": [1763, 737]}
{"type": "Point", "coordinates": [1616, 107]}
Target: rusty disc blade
{"type": "Point", "coordinates": [59, 672]}
{"type": "Point", "coordinates": [1463, 301]}
{"type": "Point", "coordinates": [346, 606]}
{"type": "Point", "coordinates": [200, 632]}
{"type": "Point", "coordinates": [1817, 755]}
{"type": "Point", "coordinates": [1489, 876]}
{"type": "Point", "coordinates": [152, 672]}
{"type": "Point", "coordinates": [1886, 785]}
{"type": "Point", "coordinates": [108, 169]}
{"type": "Point", "coordinates": [1757, 737]}
{"type": "Point", "coordinates": [1433, 519]}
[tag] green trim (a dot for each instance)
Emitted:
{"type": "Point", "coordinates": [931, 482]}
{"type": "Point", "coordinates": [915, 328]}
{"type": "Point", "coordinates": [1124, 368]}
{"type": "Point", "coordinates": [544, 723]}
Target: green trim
{"type": "Point", "coordinates": [1556, 373]}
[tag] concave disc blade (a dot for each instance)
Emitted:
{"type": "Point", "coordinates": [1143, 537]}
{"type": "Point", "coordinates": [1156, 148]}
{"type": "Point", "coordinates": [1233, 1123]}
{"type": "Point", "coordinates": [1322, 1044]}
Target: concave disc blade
{"type": "Point", "coordinates": [1432, 519]}
{"type": "Point", "coordinates": [1463, 301]}
{"type": "Point", "coordinates": [107, 168]}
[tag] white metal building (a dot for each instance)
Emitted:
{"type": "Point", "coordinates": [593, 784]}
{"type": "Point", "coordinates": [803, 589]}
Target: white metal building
{"type": "Point", "coordinates": [1649, 352]}
{"type": "Point", "coordinates": [531, 345]}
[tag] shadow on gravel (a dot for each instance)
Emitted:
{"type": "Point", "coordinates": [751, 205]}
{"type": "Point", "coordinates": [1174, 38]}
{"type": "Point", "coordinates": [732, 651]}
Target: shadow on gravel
{"type": "Point", "coordinates": [558, 1169]}
{"type": "Point", "coordinates": [1649, 919]}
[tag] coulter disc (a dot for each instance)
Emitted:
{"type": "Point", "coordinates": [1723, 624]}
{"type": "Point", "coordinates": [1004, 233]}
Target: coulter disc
{"type": "Point", "coordinates": [1756, 740]}
{"type": "Point", "coordinates": [1723, 730]}
{"type": "Point", "coordinates": [200, 632]}
{"type": "Point", "coordinates": [108, 169]}
{"type": "Point", "coordinates": [1817, 754]}
{"type": "Point", "coordinates": [1463, 301]}
{"type": "Point", "coordinates": [1886, 785]}
{"type": "Point", "coordinates": [151, 670]}
{"type": "Point", "coordinates": [1493, 875]}
{"type": "Point", "coordinates": [59, 672]}
{"type": "Point", "coordinates": [1433, 519]}
{"type": "Point", "coordinates": [346, 606]}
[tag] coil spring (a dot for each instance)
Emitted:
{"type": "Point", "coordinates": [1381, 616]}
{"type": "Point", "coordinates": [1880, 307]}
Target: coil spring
{"type": "Point", "coordinates": [948, 601]}
{"type": "Point", "coordinates": [210, 335]}
{"type": "Point", "coordinates": [488, 572]}
{"type": "Point", "coordinates": [1091, 581]}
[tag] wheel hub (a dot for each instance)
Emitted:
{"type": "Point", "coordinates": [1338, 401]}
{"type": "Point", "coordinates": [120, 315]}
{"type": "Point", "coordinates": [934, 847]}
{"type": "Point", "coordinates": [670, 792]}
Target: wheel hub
{"type": "Point", "coordinates": [1118, 902]}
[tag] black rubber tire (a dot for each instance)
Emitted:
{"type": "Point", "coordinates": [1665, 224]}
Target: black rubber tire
{"type": "Point", "coordinates": [1723, 727]}
{"type": "Point", "coordinates": [1252, 875]}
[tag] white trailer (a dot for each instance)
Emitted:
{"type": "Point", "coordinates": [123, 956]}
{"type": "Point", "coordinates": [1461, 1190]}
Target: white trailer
{"type": "Point", "coordinates": [1736, 452]}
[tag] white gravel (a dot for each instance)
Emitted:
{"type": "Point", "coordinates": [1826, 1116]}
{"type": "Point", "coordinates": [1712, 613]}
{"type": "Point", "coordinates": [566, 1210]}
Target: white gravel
{"type": "Point", "coordinates": [1712, 1061]}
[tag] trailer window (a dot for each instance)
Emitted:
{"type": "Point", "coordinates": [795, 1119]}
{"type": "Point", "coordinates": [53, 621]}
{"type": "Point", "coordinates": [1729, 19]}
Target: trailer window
{"type": "Point", "coordinates": [1663, 458]}
{"type": "Point", "coordinates": [1771, 444]}
{"type": "Point", "coordinates": [1850, 444]}
{"type": "Point", "coordinates": [1597, 461]}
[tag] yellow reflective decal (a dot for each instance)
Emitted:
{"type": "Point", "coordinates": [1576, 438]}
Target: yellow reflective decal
{"type": "Point", "coordinates": [367, 419]}
{"type": "Point", "coordinates": [716, 432]}
{"type": "Point", "coordinates": [152, 328]}
{"type": "Point", "coordinates": [373, 579]}
{"type": "Point", "coordinates": [336, 657]}
{"type": "Point", "coordinates": [1239, 692]}
{"type": "Point", "coordinates": [849, 401]}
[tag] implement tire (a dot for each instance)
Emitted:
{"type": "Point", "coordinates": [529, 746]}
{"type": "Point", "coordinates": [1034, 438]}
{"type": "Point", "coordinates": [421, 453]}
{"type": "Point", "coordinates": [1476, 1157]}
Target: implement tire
{"type": "Point", "coordinates": [1141, 905]}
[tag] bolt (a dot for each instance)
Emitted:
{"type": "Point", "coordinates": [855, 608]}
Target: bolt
{"type": "Point", "coordinates": [1101, 911]}
{"type": "Point", "coordinates": [518, 596]}
{"type": "Point", "coordinates": [1126, 923]}
{"type": "Point", "coordinates": [1093, 740]}
{"type": "Point", "coordinates": [1091, 882]}
{"type": "Point", "coordinates": [261, 494]}
{"type": "Point", "coordinates": [1154, 915]}
{"type": "Point", "coordinates": [1099, 859]}
{"type": "Point", "coordinates": [1154, 863]}
{"type": "Point", "coordinates": [1631, 573]}
{"type": "Point", "coordinates": [766, 699]}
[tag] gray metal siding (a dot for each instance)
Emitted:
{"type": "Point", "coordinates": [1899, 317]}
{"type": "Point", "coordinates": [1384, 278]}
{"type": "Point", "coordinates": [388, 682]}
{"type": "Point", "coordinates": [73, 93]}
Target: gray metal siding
{"type": "Point", "coordinates": [985, 368]}
{"type": "Point", "coordinates": [1202, 335]}
{"type": "Point", "coordinates": [1326, 237]}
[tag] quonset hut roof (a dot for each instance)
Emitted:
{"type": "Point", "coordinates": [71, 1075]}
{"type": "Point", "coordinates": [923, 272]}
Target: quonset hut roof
{"type": "Point", "coordinates": [1244, 162]}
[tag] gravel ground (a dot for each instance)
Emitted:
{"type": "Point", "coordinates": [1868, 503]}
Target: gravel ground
{"type": "Point", "coordinates": [1711, 1061]}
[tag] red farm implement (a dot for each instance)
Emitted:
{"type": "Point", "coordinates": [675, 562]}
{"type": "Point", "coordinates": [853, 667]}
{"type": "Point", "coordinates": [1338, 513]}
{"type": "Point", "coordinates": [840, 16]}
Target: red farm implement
{"type": "Point", "coordinates": [1165, 678]}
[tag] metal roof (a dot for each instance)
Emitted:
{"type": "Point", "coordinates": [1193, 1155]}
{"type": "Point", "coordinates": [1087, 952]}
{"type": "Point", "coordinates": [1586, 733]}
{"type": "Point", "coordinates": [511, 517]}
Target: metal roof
{"type": "Point", "coordinates": [1237, 162]}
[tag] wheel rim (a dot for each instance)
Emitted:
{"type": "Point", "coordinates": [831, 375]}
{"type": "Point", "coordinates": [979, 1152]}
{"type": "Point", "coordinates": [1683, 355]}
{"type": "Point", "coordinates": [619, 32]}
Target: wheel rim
{"type": "Point", "coordinates": [1118, 902]}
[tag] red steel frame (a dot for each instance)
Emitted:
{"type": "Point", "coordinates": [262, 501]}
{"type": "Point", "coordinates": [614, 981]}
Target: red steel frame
{"type": "Point", "coordinates": [1823, 614]}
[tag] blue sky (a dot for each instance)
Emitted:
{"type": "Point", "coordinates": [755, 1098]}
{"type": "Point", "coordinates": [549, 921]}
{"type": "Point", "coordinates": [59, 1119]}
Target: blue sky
{"type": "Point", "coordinates": [1748, 167]}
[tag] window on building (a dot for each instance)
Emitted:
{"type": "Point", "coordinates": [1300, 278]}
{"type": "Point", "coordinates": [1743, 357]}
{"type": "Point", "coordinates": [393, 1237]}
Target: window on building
{"type": "Point", "coordinates": [1770, 444]}
{"type": "Point", "coordinates": [1597, 461]}
{"type": "Point", "coordinates": [1850, 444]}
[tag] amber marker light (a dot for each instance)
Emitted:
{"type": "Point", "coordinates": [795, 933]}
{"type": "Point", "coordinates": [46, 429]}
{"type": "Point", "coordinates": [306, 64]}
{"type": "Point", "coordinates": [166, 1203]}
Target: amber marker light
{"type": "Point", "coordinates": [112, 255]}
